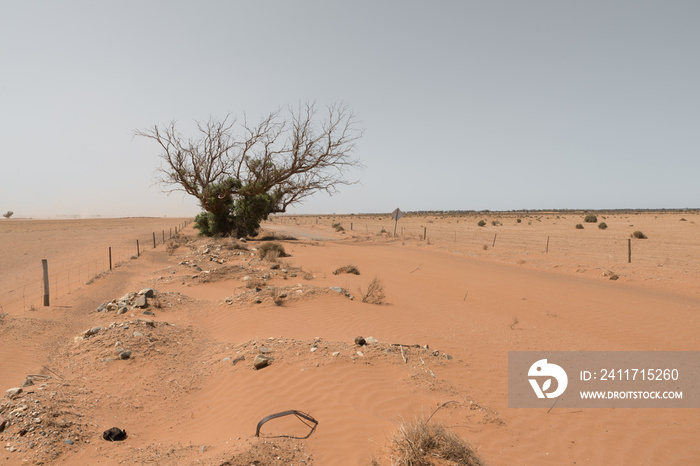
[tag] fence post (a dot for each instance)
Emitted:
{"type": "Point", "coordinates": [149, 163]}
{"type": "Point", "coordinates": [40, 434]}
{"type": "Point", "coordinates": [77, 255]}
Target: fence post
{"type": "Point", "coordinates": [629, 251]}
{"type": "Point", "coordinates": [547, 248]}
{"type": "Point", "coordinates": [171, 232]}
{"type": "Point", "coordinates": [494, 239]}
{"type": "Point", "coordinates": [45, 267]}
{"type": "Point", "coordinates": [138, 251]}
{"type": "Point", "coordinates": [425, 233]}
{"type": "Point", "coordinates": [163, 236]}
{"type": "Point", "coordinates": [110, 258]}
{"type": "Point", "coordinates": [154, 240]}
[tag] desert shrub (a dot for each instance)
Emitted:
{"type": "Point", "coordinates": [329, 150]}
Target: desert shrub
{"type": "Point", "coordinates": [639, 235]}
{"type": "Point", "coordinates": [420, 443]}
{"type": "Point", "coordinates": [590, 218]}
{"type": "Point", "coordinates": [232, 245]}
{"type": "Point", "coordinates": [338, 227]}
{"type": "Point", "coordinates": [346, 269]}
{"type": "Point", "coordinates": [374, 293]}
{"type": "Point", "coordinates": [271, 251]}
{"type": "Point", "coordinates": [495, 223]}
{"type": "Point", "coordinates": [683, 219]}
{"type": "Point", "coordinates": [579, 226]}
{"type": "Point", "coordinates": [171, 246]}
{"type": "Point", "coordinates": [519, 220]}
{"type": "Point", "coordinates": [481, 223]}
{"type": "Point", "coordinates": [8, 214]}
{"type": "Point", "coordinates": [602, 225]}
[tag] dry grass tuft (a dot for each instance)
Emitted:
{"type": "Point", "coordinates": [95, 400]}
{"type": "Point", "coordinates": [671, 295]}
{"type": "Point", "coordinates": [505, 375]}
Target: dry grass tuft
{"type": "Point", "coordinates": [347, 269]}
{"type": "Point", "coordinates": [423, 444]}
{"type": "Point", "coordinates": [374, 293]}
{"type": "Point", "coordinates": [271, 251]}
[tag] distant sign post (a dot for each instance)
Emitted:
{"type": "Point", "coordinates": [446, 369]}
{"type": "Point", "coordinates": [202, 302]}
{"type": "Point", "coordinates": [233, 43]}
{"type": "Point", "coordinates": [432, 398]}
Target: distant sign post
{"type": "Point", "coordinates": [396, 215]}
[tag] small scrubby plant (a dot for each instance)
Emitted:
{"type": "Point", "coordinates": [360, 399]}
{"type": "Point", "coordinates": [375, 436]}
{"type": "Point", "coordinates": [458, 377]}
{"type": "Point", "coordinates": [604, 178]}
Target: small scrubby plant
{"type": "Point", "coordinates": [271, 251]}
{"type": "Point", "coordinates": [338, 227]}
{"type": "Point", "coordinates": [602, 225]}
{"type": "Point", "coordinates": [346, 269]}
{"type": "Point", "coordinates": [579, 226]}
{"type": "Point", "coordinates": [639, 235]}
{"type": "Point", "coordinates": [420, 443]}
{"type": "Point", "coordinates": [481, 223]}
{"type": "Point", "coordinates": [590, 218]}
{"type": "Point", "coordinates": [374, 293]}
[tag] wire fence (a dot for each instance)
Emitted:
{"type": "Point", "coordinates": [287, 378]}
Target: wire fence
{"type": "Point", "coordinates": [59, 283]}
{"type": "Point", "coordinates": [605, 249]}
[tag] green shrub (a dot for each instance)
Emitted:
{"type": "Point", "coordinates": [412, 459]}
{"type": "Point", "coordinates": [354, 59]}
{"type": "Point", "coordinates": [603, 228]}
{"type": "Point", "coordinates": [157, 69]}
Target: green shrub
{"type": "Point", "coordinates": [481, 223]}
{"type": "Point", "coordinates": [519, 220]}
{"type": "Point", "coordinates": [579, 226]}
{"type": "Point", "coordinates": [639, 235]}
{"type": "Point", "coordinates": [338, 227]}
{"type": "Point", "coordinates": [590, 218]}
{"type": "Point", "coordinates": [602, 225]}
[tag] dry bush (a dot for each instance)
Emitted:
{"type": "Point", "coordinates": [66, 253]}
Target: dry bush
{"type": "Point", "coordinates": [639, 235]}
{"type": "Point", "coordinates": [171, 246]}
{"type": "Point", "coordinates": [347, 269]}
{"type": "Point", "coordinates": [421, 443]}
{"type": "Point", "coordinates": [232, 245]}
{"type": "Point", "coordinates": [374, 293]}
{"type": "Point", "coordinates": [271, 251]}
{"type": "Point", "coordinates": [338, 227]}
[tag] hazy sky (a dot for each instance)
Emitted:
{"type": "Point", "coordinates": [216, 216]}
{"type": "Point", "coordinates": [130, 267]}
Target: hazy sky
{"type": "Point", "coordinates": [466, 104]}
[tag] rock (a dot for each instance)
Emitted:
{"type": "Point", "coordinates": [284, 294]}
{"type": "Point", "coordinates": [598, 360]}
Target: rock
{"type": "Point", "coordinates": [198, 269]}
{"type": "Point", "coordinates": [125, 354]}
{"type": "Point", "coordinates": [13, 393]}
{"type": "Point", "coordinates": [102, 307]}
{"type": "Point", "coordinates": [111, 307]}
{"type": "Point", "coordinates": [148, 313]}
{"type": "Point", "coordinates": [448, 357]}
{"type": "Point", "coordinates": [242, 240]}
{"type": "Point", "coordinates": [274, 266]}
{"type": "Point", "coordinates": [68, 441]}
{"type": "Point", "coordinates": [371, 340]}
{"type": "Point", "coordinates": [611, 275]}
{"type": "Point", "coordinates": [336, 353]}
{"type": "Point", "coordinates": [238, 359]}
{"type": "Point", "coordinates": [293, 275]}
{"type": "Point", "coordinates": [122, 310]}
{"type": "Point", "coordinates": [141, 302]}
{"type": "Point", "coordinates": [225, 359]}
{"type": "Point", "coordinates": [137, 334]}
{"type": "Point", "coordinates": [313, 348]}
{"type": "Point", "coordinates": [93, 331]}
{"type": "Point", "coordinates": [360, 353]}
{"type": "Point", "coordinates": [360, 341]}
{"type": "Point", "coordinates": [114, 434]}
{"type": "Point", "coordinates": [27, 382]}
{"type": "Point", "coordinates": [337, 289]}
{"type": "Point", "coordinates": [264, 350]}
{"type": "Point", "coordinates": [147, 292]}
{"type": "Point", "coordinates": [261, 361]}
{"type": "Point", "coordinates": [3, 423]}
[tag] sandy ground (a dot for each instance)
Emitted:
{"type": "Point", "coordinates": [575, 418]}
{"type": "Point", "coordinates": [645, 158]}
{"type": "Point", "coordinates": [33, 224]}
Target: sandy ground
{"type": "Point", "coordinates": [182, 400]}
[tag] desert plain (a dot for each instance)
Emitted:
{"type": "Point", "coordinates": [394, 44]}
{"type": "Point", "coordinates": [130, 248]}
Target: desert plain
{"type": "Point", "coordinates": [178, 375]}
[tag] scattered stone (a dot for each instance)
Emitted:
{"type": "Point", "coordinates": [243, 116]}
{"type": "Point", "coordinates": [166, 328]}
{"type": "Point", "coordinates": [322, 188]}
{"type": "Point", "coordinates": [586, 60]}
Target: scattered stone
{"type": "Point", "coordinates": [138, 334]}
{"type": "Point", "coordinates": [148, 313]}
{"type": "Point", "coordinates": [360, 341]}
{"type": "Point", "coordinates": [226, 359]}
{"type": "Point", "coordinates": [27, 382]}
{"type": "Point", "coordinates": [141, 302]}
{"type": "Point", "coordinates": [68, 441]}
{"type": "Point", "coordinates": [147, 292]}
{"type": "Point", "coordinates": [336, 353]}
{"type": "Point", "coordinates": [360, 353]}
{"type": "Point", "coordinates": [13, 392]}
{"type": "Point", "coordinates": [261, 361]}
{"type": "Point", "coordinates": [448, 357]}
{"type": "Point", "coordinates": [313, 348]}
{"type": "Point", "coordinates": [3, 423]}
{"type": "Point", "coordinates": [611, 275]}
{"type": "Point", "coordinates": [264, 350]}
{"type": "Point", "coordinates": [111, 307]}
{"type": "Point", "coordinates": [114, 434]}
{"type": "Point", "coordinates": [122, 310]}
{"type": "Point", "coordinates": [371, 340]}
{"type": "Point", "coordinates": [274, 266]}
{"type": "Point", "coordinates": [93, 331]}
{"type": "Point", "coordinates": [238, 359]}
{"type": "Point", "coordinates": [337, 289]}
{"type": "Point", "coordinates": [125, 354]}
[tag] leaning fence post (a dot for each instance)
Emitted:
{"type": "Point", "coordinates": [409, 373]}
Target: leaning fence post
{"type": "Point", "coordinates": [494, 239]}
{"type": "Point", "coordinates": [45, 267]}
{"type": "Point", "coordinates": [547, 248]}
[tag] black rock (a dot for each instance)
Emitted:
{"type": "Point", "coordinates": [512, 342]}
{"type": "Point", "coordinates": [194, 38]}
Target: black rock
{"type": "Point", "coordinates": [115, 434]}
{"type": "Point", "coordinates": [360, 341]}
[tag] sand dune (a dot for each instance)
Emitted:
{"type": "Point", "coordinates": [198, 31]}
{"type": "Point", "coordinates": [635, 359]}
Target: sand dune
{"type": "Point", "coordinates": [182, 400]}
